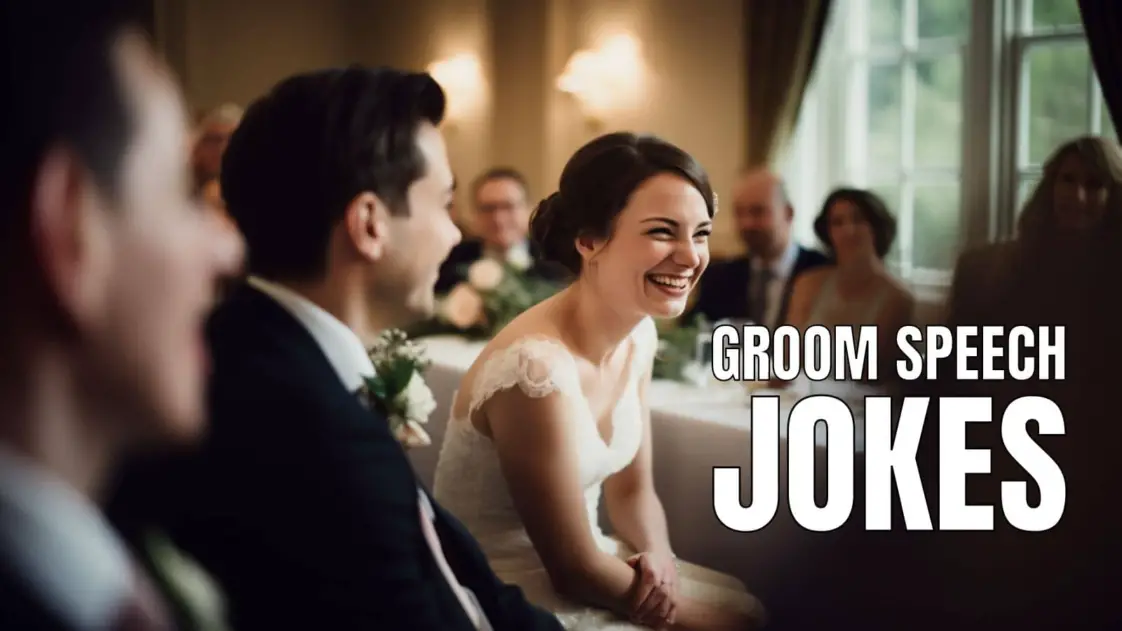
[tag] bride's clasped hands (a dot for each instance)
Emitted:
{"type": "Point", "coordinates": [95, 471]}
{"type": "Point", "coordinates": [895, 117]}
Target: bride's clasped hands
{"type": "Point", "coordinates": [655, 603]}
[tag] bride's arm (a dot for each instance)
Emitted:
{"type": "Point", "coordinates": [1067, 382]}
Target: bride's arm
{"type": "Point", "coordinates": [639, 519]}
{"type": "Point", "coordinates": [534, 440]}
{"type": "Point", "coordinates": [633, 506]}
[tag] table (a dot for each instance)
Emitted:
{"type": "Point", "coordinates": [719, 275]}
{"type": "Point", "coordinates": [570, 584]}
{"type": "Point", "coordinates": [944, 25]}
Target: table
{"type": "Point", "coordinates": [694, 429]}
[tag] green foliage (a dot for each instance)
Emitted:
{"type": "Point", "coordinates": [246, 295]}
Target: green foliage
{"type": "Point", "coordinates": [677, 347]}
{"type": "Point", "coordinates": [514, 294]}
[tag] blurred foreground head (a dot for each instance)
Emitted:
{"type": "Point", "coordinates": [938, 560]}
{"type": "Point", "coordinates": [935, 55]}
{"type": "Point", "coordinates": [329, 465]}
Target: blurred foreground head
{"type": "Point", "coordinates": [107, 268]}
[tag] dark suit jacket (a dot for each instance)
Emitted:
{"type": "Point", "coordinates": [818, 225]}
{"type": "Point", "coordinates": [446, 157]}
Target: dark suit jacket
{"type": "Point", "coordinates": [724, 289]}
{"type": "Point", "coordinates": [20, 608]}
{"type": "Point", "coordinates": [452, 271]}
{"type": "Point", "coordinates": [302, 505]}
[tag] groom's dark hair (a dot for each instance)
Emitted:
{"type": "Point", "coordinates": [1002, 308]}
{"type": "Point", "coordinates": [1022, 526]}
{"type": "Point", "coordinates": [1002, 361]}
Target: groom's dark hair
{"type": "Point", "coordinates": [306, 149]}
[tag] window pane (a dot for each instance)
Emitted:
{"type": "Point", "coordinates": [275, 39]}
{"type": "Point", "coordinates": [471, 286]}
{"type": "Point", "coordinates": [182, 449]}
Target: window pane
{"type": "Point", "coordinates": [1025, 188]}
{"type": "Point", "coordinates": [939, 112]}
{"type": "Point", "coordinates": [1051, 14]}
{"type": "Point", "coordinates": [935, 226]}
{"type": "Point", "coordinates": [890, 194]}
{"type": "Point", "coordinates": [884, 117]}
{"type": "Point", "coordinates": [943, 18]}
{"type": "Point", "coordinates": [886, 22]}
{"type": "Point", "coordinates": [1057, 76]}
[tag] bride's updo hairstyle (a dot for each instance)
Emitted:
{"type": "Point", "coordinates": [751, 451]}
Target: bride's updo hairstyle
{"type": "Point", "coordinates": [596, 185]}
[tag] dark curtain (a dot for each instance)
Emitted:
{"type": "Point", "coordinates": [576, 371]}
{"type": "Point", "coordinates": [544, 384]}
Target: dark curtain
{"type": "Point", "coordinates": [782, 40]}
{"type": "Point", "coordinates": [1102, 20]}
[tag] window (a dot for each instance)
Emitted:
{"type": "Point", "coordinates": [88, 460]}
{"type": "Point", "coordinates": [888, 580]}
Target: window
{"type": "Point", "coordinates": [1058, 94]}
{"type": "Point", "coordinates": [947, 108]}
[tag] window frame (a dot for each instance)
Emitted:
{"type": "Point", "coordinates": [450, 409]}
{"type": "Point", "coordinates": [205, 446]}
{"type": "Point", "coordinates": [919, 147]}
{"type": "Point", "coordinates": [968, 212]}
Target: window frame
{"type": "Point", "coordinates": [992, 165]}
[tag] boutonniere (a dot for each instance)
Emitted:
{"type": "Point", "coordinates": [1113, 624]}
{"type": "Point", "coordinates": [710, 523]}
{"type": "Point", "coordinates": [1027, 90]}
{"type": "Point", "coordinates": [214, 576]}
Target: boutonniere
{"type": "Point", "coordinates": [398, 388]}
{"type": "Point", "coordinates": [186, 582]}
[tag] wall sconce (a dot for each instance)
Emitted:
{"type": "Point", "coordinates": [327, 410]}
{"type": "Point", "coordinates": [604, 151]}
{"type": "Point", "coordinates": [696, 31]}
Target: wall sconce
{"type": "Point", "coordinates": [604, 78]}
{"type": "Point", "coordinates": [461, 77]}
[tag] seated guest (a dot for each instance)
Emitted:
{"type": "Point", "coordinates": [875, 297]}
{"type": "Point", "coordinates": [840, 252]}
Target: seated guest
{"type": "Point", "coordinates": [211, 137]}
{"type": "Point", "coordinates": [105, 278]}
{"type": "Point", "coordinates": [857, 290]}
{"type": "Point", "coordinates": [214, 203]}
{"type": "Point", "coordinates": [1056, 272]}
{"type": "Point", "coordinates": [1070, 219]}
{"type": "Point", "coordinates": [757, 286]}
{"type": "Point", "coordinates": [502, 220]}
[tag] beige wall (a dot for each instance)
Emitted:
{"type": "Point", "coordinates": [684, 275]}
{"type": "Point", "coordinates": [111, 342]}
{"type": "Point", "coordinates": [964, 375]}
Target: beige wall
{"type": "Point", "coordinates": [693, 96]}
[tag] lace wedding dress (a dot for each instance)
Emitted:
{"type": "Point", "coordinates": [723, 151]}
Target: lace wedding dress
{"type": "Point", "coordinates": [469, 481]}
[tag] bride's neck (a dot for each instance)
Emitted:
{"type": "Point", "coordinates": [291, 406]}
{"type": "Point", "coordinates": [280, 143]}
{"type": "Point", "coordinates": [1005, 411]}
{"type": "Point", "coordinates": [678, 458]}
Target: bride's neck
{"type": "Point", "coordinates": [594, 328]}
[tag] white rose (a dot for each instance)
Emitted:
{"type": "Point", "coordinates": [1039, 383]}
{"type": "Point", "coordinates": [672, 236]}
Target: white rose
{"type": "Point", "coordinates": [462, 307]}
{"type": "Point", "coordinates": [411, 435]}
{"type": "Point", "coordinates": [416, 400]}
{"type": "Point", "coordinates": [485, 274]}
{"type": "Point", "coordinates": [519, 259]}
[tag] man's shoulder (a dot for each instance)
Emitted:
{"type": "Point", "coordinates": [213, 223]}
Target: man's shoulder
{"type": "Point", "coordinates": [810, 258]}
{"type": "Point", "coordinates": [273, 380]}
{"type": "Point", "coordinates": [726, 267]}
{"type": "Point", "coordinates": [466, 251]}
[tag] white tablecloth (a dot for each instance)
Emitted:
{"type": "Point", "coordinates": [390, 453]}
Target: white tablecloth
{"type": "Point", "coordinates": [694, 429]}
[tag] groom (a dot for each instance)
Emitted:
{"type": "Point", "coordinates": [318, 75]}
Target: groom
{"type": "Point", "coordinates": [301, 503]}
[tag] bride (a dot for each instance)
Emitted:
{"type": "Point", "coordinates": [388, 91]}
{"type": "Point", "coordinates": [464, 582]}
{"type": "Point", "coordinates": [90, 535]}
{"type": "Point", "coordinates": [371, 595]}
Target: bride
{"type": "Point", "coordinates": [555, 410]}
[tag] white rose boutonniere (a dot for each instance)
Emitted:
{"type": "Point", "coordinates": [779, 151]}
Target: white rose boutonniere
{"type": "Point", "coordinates": [398, 388]}
{"type": "Point", "coordinates": [485, 275]}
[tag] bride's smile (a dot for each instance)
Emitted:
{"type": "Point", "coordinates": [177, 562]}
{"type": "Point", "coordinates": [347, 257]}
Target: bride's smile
{"type": "Point", "coordinates": [660, 240]}
{"type": "Point", "coordinates": [562, 394]}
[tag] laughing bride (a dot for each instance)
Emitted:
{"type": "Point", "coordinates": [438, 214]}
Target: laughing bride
{"type": "Point", "coordinates": [555, 410]}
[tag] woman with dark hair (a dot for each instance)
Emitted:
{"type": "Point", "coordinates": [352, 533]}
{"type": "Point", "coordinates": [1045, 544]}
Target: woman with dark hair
{"type": "Point", "coordinates": [1057, 272]}
{"type": "Point", "coordinates": [1069, 226]}
{"type": "Point", "coordinates": [554, 411]}
{"type": "Point", "coordinates": [857, 230]}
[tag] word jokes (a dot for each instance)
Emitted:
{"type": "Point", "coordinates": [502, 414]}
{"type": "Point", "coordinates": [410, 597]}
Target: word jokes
{"type": "Point", "coordinates": [884, 437]}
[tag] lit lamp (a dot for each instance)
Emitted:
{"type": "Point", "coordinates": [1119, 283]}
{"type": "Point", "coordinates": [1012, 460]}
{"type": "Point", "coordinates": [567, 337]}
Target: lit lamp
{"type": "Point", "coordinates": [461, 77]}
{"type": "Point", "coordinates": [604, 78]}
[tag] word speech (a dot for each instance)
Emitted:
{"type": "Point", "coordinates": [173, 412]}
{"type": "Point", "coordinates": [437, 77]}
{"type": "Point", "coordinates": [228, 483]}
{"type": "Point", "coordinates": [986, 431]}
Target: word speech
{"type": "Point", "coordinates": [755, 352]}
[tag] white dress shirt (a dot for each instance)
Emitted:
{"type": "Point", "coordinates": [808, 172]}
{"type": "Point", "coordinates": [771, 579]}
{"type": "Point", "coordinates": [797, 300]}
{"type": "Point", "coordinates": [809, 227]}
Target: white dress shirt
{"type": "Point", "coordinates": [781, 271]}
{"type": "Point", "coordinates": [348, 356]}
{"type": "Point", "coordinates": [62, 545]}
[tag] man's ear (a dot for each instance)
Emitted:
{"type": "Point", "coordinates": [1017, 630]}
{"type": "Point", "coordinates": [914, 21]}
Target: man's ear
{"type": "Point", "coordinates": [70, 236]}
{"type": "Point", "coordinates": [366, 222]}
{"type": "Point", "coordinates": [790, 212]}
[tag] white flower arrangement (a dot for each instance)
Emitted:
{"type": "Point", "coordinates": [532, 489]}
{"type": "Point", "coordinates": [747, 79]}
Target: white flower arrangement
{"type": "Point", "coordinates": [398, 388]}
{"type": "Point", "coordinates": [493, 293]}
{"type": "Point", "coordinates": [464, 307]}
{"type": "Point", "coordinates": [485, 275]}
{"type": "Point", "coordinates": [519, 259]}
